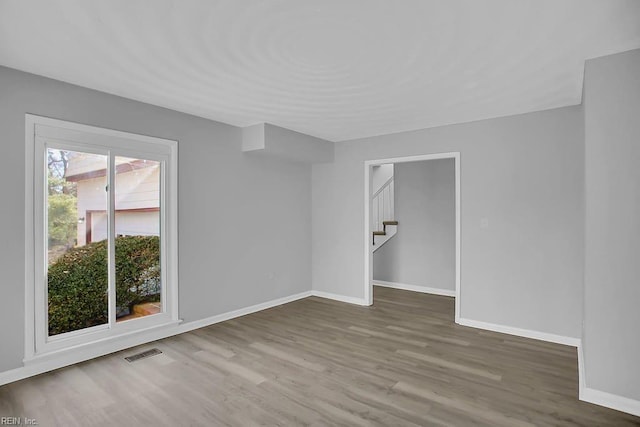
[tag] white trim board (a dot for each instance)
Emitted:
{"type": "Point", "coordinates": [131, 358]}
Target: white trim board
{"type": "Point", "coordinates": [526, 333]}
{"type": "Point", "coordinates": [609, 400]}
{"type": "Point", "coordinates": [603, 398]}
{"type": "Point", "coordinates": [90, 351]}
{"type": "Point", "coordinates": [143, 337]}
{"type": "Point", "coordinates": [208, 321]}
{"type": "Point", "coordinates": [586, 394]}
{"type": "Point", "coordinates": [341, 298]}
{"type": "Point", "coordinates": [582, 378]}
{"type": "Point", "coordinates": [415, 288]}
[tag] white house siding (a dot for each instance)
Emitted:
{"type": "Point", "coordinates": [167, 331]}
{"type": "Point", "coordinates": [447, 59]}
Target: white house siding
{"type": "Point", "coordinates": [135, 190]}
{"type": "Point", "coordinates": [127, 223]}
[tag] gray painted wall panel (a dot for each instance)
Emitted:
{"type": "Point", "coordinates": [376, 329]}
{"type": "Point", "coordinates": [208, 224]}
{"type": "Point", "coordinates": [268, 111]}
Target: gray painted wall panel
{"type": "Point", "coordinates": [524, 173]}
{"type": "Point", "coordinates": [230, 205]}
{"type": "Point", "coordinates": [612, 279]}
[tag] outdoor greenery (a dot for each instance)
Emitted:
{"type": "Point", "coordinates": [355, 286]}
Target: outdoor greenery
{"type": "Point", "coordinates": [62, 215]}
{"type": "Point", "coordinates": [62, 220]}
{"type": "Point", "coordinates": [78, 281]}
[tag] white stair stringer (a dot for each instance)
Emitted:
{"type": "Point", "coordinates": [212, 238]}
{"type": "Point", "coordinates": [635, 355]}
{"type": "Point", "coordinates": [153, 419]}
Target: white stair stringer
{"type": "Point", "coordinates": [380, 240]}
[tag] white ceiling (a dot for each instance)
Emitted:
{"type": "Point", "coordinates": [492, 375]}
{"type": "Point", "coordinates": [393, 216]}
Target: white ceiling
{"type": "Point", "coordinates": [337, 69]}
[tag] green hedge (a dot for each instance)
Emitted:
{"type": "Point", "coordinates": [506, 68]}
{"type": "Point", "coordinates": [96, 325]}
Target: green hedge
{"type": "Point", "coordinates": [77, 282]}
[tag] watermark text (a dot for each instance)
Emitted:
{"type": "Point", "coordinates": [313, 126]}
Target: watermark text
{"type": "Point", "coordinates": [18, 421]}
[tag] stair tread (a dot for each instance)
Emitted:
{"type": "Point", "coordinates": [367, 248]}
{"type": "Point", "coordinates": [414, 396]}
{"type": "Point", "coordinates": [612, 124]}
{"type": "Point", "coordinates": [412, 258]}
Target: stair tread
{"type": "Point", "coordinates": [390, 222]}
{"type": "Point", "coordinates": [379, 233]}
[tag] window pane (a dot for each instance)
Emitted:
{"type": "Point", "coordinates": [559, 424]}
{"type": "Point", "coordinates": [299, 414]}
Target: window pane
{"type": "Point", "coordinates": [77, 254]}
{"type": "Point", "coordinates": [137, 229]}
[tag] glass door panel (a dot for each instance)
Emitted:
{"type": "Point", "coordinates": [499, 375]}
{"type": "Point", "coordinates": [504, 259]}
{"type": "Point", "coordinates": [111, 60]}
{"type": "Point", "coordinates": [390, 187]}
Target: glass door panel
{"type": "Point", "coordinates": [137, 238]}
{"type": "Point", "coordinates": [76, 252]}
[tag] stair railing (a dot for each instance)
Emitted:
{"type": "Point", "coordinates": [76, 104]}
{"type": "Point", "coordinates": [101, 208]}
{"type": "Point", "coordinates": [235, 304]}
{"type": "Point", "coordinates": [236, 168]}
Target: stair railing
{"type": "Point", "coordinates": [382, 202]}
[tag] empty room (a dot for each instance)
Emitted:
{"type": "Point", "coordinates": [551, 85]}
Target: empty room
{"type": "Point", "coordinates": [358, 213]}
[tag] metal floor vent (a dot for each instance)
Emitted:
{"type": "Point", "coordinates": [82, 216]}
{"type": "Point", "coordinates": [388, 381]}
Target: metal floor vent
{"type": "Point", "coordinates": [143, 355]}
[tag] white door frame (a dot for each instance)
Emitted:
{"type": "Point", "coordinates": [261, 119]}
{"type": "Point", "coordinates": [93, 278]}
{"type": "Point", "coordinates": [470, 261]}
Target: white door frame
{"type": "Point", "coordinates": [368, 256]}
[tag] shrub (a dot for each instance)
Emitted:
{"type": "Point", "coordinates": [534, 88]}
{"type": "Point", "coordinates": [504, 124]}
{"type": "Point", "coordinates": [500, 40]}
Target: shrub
{"type": "Point", "coordinates": [78, 281]}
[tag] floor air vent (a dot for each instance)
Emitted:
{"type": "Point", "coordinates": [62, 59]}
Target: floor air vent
{"type": "Point", "coordinates": [143, 355]}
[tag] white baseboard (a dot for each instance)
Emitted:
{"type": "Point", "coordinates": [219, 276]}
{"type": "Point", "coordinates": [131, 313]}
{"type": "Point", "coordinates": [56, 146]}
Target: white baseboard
{"type": "Point", "coordinates": [197, 324]}
{"type": "Point", "coordinates": [586, 394]}
{"type": "Point", "coordinates": [582, 378]}
{"type": "Point", "coordinates": [341, 298]}
{"type": "Point", "coordinates": [526, 333]}
{"type": "Point", "coordinates": [77, 355]}
{"type": "Point", "coordinates": [603, 398]}
{"type": "Point", "coordinates": [613, 401]}
{"type": "Point", "coordinates": [415, 288]}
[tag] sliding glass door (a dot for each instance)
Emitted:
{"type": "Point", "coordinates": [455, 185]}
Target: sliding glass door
{"type": "Point", "coordinates": [101, 263]}
{"type": "Point", "coordinates": [104, 262]}
{"type": "Point", "coordinates": [77, 270]}
{"type": "Point", "coordinates": [137, 225]}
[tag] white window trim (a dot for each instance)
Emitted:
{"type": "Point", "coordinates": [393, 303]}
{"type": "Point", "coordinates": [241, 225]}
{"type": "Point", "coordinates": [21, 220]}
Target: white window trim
{"type": "Point", "coordinates": [69, 134]}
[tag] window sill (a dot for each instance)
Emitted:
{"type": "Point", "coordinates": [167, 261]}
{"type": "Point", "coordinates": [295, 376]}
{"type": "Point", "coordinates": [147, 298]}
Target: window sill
{"type": "Point", "coordinates": [59, 358]}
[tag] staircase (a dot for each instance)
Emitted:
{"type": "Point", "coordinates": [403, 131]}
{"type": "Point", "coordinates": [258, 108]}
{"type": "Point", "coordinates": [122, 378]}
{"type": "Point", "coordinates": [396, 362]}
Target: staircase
{"type": "Point", "coordinates": [384, 227]}
{"type": "Point", "coordinates": [384, 232]}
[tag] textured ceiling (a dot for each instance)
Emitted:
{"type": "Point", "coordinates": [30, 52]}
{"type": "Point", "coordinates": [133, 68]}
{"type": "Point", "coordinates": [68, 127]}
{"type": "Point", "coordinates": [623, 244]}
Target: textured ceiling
{"type": "Point", "coordinates": [336, 69]}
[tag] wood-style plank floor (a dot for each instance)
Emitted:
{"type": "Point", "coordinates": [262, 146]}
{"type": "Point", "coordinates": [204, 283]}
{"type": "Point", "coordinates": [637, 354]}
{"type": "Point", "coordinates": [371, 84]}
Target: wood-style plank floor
{"type": "Point", "coordinates": [402, 362]}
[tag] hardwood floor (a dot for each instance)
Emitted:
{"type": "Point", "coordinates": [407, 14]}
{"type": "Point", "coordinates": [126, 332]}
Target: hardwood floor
{"type": "Point", "coordinates": [402, 362]}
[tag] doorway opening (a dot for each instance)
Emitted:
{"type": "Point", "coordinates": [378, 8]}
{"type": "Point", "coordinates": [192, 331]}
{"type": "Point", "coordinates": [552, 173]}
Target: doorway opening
{"type": "Point", "coordinates": [373, 216]}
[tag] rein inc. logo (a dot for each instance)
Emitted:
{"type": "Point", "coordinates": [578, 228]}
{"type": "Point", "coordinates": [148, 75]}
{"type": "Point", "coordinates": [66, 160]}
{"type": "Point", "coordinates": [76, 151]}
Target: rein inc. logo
{"type": "Point", "coordinates": [18, 421]}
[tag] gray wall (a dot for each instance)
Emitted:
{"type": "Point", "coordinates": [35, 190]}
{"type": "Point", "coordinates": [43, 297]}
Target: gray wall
{"type": "Point", "coordinates": [380, 175]}
{"type": "Point", "coordinates": [229, 257]}
{"type": "Point", "coordinates": [422, 253]}
{"type": "Point", "coordinates": [524, 173]}
{"type": "Point", "coordinates": [612, 280]}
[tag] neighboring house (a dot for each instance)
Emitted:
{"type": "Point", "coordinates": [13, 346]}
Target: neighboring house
{"type": "Point", "coordinates": [137, 197]}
